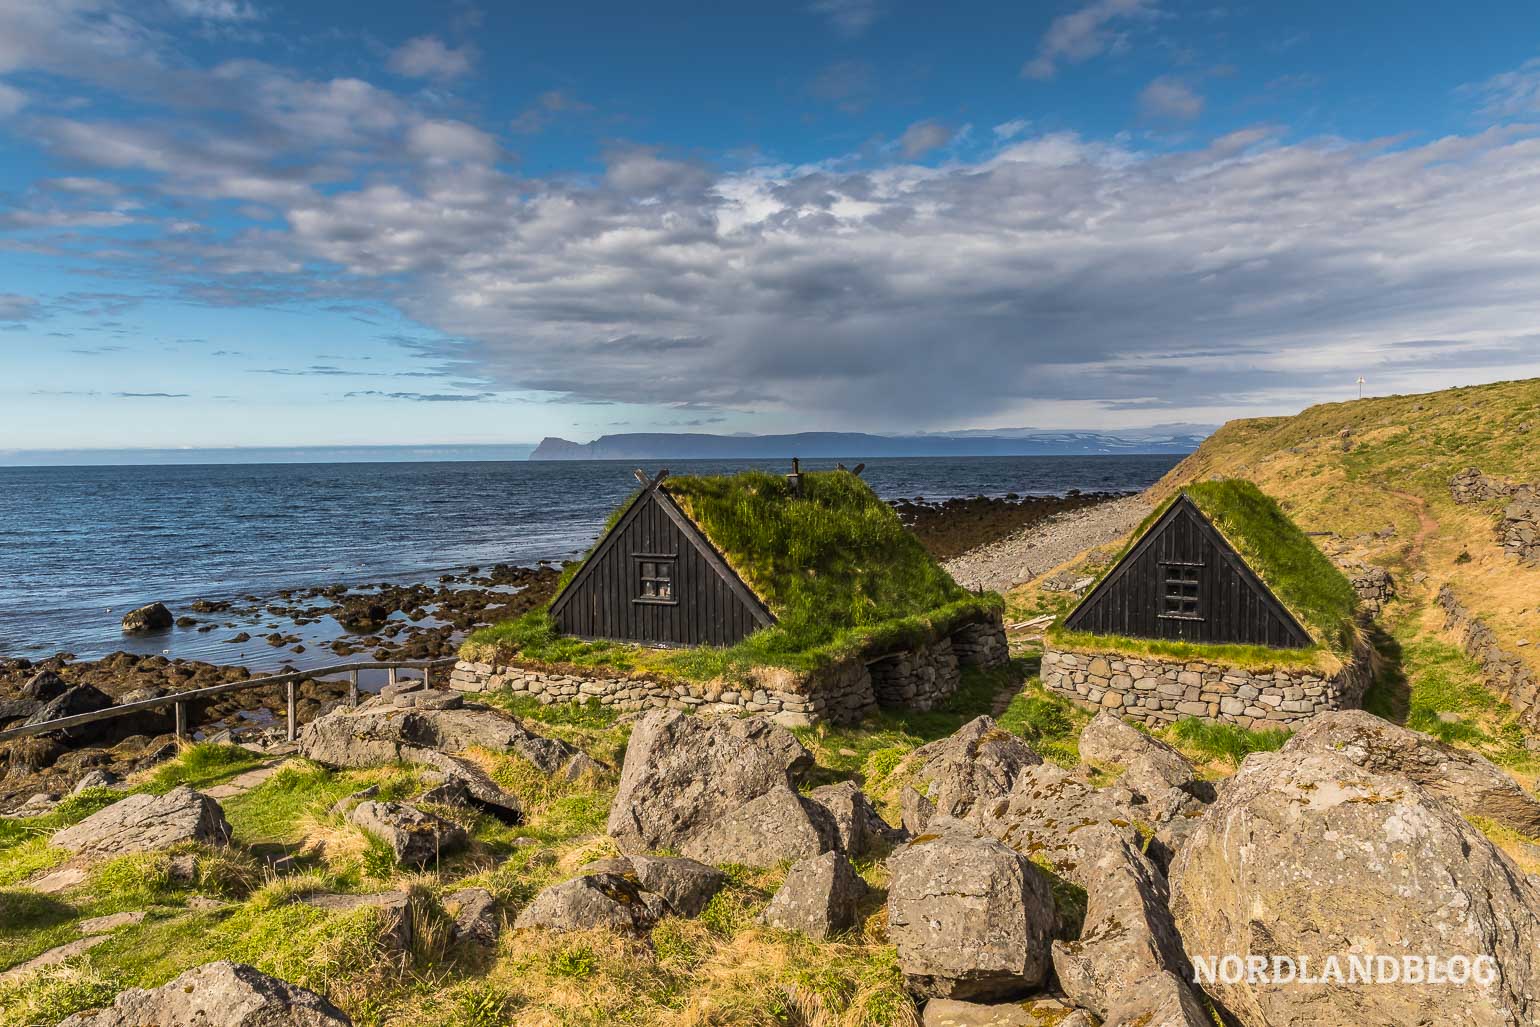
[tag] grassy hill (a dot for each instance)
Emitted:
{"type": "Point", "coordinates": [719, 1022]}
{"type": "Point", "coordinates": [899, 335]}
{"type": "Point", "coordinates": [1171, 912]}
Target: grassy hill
{"type": "Point", "coordinates": [1370, 479]}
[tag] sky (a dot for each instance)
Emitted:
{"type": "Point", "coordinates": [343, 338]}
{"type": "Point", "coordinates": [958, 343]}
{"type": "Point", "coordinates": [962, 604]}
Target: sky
{"type": "Point", "coordinates": [231, 223]}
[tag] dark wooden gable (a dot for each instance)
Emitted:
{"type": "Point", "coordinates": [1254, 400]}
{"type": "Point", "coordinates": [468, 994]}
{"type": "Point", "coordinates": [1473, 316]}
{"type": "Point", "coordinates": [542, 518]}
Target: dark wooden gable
{"type": "Point", "coordinates": [656, 579]}
{"type": "Point", "coordinates": [1183, 581]}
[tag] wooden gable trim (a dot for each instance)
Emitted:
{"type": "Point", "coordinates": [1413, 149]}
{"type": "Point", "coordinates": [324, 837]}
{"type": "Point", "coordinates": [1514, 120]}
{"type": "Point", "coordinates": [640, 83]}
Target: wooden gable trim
{"type": "Point", "coordinates": [1184, 504]}
{"type": "Point", "coordinates": [692, 534]}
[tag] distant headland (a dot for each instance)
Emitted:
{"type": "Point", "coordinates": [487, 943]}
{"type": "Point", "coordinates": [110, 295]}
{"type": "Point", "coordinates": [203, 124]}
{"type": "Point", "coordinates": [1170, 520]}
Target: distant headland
{"type": "Point", "coordinates": [1182, 438]}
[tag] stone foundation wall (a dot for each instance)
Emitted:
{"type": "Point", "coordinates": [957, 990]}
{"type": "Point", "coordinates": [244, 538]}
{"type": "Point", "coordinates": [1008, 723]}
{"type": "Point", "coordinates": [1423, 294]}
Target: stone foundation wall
{"type": "Point", "coordinates": [981, 644]}
{"type": "Point", "coordinates": [1504, 672]}
{"type": "Point", "coordinates": [1374, 586]}
{"type": "Point", "coordinates": [916, 679]}
{"type": "Point", "coordinates": [843, 693]}
{"type": "Point", "coordinates": [1159, 691]}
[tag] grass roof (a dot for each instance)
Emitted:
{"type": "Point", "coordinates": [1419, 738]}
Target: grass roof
{"type": "Point", "coordinates": [834, 557]}
{"type": "Point", "coordinates": [834, 565]}
{"type": "Point", "coordinates": [1305, 581]}
{"type": "Point", "coordinates": [1302, 577]}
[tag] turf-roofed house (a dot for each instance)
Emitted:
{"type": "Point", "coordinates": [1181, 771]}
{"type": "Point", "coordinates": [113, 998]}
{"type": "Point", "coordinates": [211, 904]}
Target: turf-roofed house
{"type": "Point", "coordinates": [1218, 607]}
{"type": "Point", "coordinates": [801, 596]}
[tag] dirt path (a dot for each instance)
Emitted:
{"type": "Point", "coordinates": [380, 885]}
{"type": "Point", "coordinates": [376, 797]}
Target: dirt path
{"type": "Point", "coordinates": [1427, 527]}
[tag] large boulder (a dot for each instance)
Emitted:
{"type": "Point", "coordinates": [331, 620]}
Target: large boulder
{"type": "Point", "coordinates": [1046, 816]}
{"type": "Point", "coordinates": [145, 823]}
{"type": "Point", "coordinates": [978, 762]}
{"type": "Point", "coordinates": [1127, 965]}
{"type": "Point", "coordinates": [1466, 780]}
{"type": "Point", "coordinates": [478, 919]}
{"type": "Point", "coordinates": [43, 686]}
{"type": "Point", "coordinates": [154, 617]}
{"type": "Point", "coordinates": [860, 827]}
{"type": "Point", "coordinates": [1151, 765]}
{"type": "Point", "coordinates": [718, 790]}
{"type": "Point", "coordinates": [72, 702]}
{"type": "Point", "coordinates": [775, 826]}
{"type": "Point", "coordinates": [379, 731]}
{"type": "Point", "coordinates": [219, 994]}
{"type": "Point", "coordinates": [686, 885]}
{"type": "Point", "coordinates": [820, 897]}
{"type": "Point", "coordinates": [1309, 855]}
{"type": "Point", "coordinates": [417, 838]}
{"type": "Point", "coordinates": [612, 901]}
{"type": "Point", "coordinates": [970, 918]}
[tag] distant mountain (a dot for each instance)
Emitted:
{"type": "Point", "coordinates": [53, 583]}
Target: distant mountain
{"type": "Point", "coordinates": [856, 445]}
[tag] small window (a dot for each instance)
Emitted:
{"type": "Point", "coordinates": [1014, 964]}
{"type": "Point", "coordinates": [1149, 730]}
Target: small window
{"type": "Point", "coordinates": [657, 581]}
{"type": "Point", "coordinates": [1182, 601]}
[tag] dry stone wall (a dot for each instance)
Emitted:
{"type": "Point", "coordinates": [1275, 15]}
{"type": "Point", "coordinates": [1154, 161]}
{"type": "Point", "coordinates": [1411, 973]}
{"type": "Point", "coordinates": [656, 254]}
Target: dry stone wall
{"type": "Point", "coordinates": [1162, 691]}
{"type": "Point", "coordinates": [1504, 672]}
{"type": "Point", "coordinates": [1518, 532]}
{"type": "Point", "coordinates": [844, 693]}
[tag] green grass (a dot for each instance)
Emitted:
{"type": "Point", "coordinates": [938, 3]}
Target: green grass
{"type": "Point", "coordinates": [835, 566]}
{"type": "Point", "coordinates": [1250, 657]}
{"type": "Point", "coordinates": [1211, 741]}
{"type": "Point", "coordinates": [201, 765]}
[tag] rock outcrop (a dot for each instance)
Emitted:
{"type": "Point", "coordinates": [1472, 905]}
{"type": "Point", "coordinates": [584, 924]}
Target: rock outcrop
{"type": "Point", "coordinates": [687, 886]}
{"type": "Point", "coordinates": [379, 731]}
{"type": "Point", "coordinates": [417, 838]}
{"type": "Point", "coordinates": [976, 763]}
{"type": "Point", "coordinates": [612, 901]}
{"type": "Point", "coordinates": [860, 828]}
{"type": "Point", "coordinates": [819, 898]}
{"type": "Point", "coordinates": [477, 917]}
{"type": "Point", "coordinates": [717, 790]}
{"type": "Point", "coordinates": [72, 702]}
{"type": "Point", "coordinates": [1308, 855]}
{"type": "Point", "coordinates": [970, 918]}
{"type": "Point", "coordinates": [1127, 966]}
{"type": "Point", "coordinates": [1466, 780]}
{"type": "Point", "coordinates": [1152, 766]}
{"type": "Point", "coordinates": [145, 823]}
{"type": "Point", "coordinates": [154, 617]}
{"type": "Point", "coordinates": [1046, 816]}
{"type": "Point", "coordinates": [219, 994]}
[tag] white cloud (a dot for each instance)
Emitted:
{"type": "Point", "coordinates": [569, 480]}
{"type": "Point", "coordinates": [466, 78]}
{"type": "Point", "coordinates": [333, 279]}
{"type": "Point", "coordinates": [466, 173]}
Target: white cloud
{"type": "Point", "coordinates": [11, 100]}
{"type": "Point", "coordinates": [1086, 33]}
{"type": "Point", "coordinates": [1011, 129]}
{"type": "Point", "coordinates": [451, 141]}
{"type": "Point", "coordinates": [429, 57]}
{"type": "Point", "coordinates": [217, 10]}
{"type": "Point", "coordinates": [1170, 99]}
{"type": "Point", "coordinates": [1511, 94]}
{"type": "Point", "coordinates": [17, 308]}
{"type": "Point", "coordinates": [922, 137]}
{"type": "Point", "coordinates": [850, 17]}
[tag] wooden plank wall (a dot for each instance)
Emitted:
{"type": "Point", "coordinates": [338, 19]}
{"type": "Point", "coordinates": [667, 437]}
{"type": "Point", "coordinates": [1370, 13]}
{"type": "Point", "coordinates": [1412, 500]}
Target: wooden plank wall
{"type": "Point", "coordinates": [1234, 607]}
{"type": "Point", "coordinates": [706, 612]}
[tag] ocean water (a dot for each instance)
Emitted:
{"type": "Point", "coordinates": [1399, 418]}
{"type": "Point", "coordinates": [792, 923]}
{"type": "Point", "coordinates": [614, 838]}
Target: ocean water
{"type": "Point", "coordinates": [79, 546]}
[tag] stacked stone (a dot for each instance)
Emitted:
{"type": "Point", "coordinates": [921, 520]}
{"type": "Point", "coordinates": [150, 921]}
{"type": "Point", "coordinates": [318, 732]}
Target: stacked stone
{"type": "Point", "coordinates": [1374, 586]}
{"type": "Point", "coordinates": [1159, 691]}
{"type": "Point", "coordinates": [841, 692]}
{"type": "Point", "coordinates": [916, 679]}
{"type": "Point", "coordinates": [1472, 486]}
{"type": "Point", "coordinates": [1504, 672]}
{"type": "Point", "coordinates": [1519, 531]}
{"type": "Point", "coordinates": [981, 644]}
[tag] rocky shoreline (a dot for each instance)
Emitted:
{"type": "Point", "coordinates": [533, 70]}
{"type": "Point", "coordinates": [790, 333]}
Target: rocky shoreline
{"type": "Point", "coordinates": [384, 621]}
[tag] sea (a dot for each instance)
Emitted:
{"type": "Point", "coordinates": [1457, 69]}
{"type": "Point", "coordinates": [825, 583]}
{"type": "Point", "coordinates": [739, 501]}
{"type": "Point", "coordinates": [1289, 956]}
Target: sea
{"type": "Point", "coordinates": [80, 546]}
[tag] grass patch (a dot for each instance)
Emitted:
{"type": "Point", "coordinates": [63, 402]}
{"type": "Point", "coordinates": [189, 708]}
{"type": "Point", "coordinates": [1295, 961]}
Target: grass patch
{"type": "Point", "coordinates": [200, 765]}
{"type": "Point", "coordinates": [1249, 657]}
{"type": "Point", "coordinates": [1051, 723]}
{"type": "Point", "coordinates": [1209, 740]}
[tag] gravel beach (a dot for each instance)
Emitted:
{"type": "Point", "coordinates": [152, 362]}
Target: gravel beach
{"type": "Point", "coordinates": [1041, 547]}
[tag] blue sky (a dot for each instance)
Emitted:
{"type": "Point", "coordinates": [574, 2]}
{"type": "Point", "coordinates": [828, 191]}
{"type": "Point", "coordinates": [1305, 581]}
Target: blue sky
{"type": "Point", "coordinates": [253, 223]}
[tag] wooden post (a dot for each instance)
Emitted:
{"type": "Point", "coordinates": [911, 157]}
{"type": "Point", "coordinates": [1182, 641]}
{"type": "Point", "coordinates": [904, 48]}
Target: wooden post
{"type": "Point", "coordinates": [390, 674]}
{"type": "Point", "coordinates": [425, 683]}
{"type": "Point", "coordinates": [181, 721]}
{"type": "Point", "coordinates": [353, 688]}
{"type": "Point", "coordinates": [293, 727]}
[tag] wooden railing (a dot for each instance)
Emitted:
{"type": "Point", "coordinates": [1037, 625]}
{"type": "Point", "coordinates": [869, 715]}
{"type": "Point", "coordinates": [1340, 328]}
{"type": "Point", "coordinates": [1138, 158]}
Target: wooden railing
{"type": "Point", "coordinates": [180, 700]}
